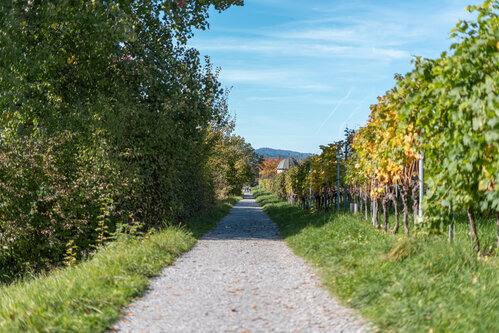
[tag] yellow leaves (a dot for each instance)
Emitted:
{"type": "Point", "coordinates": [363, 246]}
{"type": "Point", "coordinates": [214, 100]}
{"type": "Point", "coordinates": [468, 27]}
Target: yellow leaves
{"type": "Point", "coordinates": [377, 192]}
{"type": "Point", "coordinates": [486, 184]}
{"type": "Point", "coordinates": [407, 139]}
{"type": "Point", "coordinates": [71, 60]}
{"type": "Point", "coordinates": [393, 168]}
{"type": "Point", "coordinates": [54, 25]}
{"type": "Point", "coordinates": [384, 146]}
{"type": "Point", "coordinates": [397, 141]}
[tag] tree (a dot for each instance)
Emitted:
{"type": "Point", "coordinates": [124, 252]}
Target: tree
{"type": "Point", "coordinates": [100, 101]}
{"type": "Point", "coordinates": [269, 167]}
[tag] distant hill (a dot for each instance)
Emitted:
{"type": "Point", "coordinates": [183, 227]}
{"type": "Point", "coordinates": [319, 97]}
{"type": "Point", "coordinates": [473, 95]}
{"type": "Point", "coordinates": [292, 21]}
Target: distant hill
{"type": "Point", "coordinates": [280, 153]}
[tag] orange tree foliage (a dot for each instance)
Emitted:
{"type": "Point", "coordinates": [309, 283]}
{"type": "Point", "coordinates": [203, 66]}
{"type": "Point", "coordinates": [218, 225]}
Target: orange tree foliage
{"type": "Point", "coordinates": [269, 167]}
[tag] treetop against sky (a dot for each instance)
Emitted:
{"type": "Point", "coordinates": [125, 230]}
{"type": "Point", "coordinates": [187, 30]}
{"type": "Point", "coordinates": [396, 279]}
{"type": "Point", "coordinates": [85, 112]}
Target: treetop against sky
{"type": "Point", "coordinates": [301, 73]}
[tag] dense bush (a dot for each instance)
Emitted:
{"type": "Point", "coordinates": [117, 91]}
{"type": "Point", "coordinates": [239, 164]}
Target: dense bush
{"type": "Point", "coordinates": [106, 118]}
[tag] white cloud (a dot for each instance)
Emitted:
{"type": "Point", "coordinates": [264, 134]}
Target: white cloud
{"type": "Point", "coordinates": [253, 75]}
{"type": "Point", "coordinates": [291, 48]}
{"type": "Point", "coordinates": [312, 98]}
{"type": "Point", "coordinates": [271, 98]}
{"type": "Point", "coordinates": [327, 34]}
{"type": "Point", "coordinates": [289, 79]}
{"type": "Point", "coordinates": [317, 87]}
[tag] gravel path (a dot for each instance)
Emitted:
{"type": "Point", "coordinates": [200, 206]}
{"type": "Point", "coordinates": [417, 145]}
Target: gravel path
{"type": "Point", "coordinates": [240, 277]}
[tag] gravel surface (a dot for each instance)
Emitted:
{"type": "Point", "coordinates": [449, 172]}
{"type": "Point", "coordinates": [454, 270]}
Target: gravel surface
{"type": "Point", "coordinates": [240, 277]}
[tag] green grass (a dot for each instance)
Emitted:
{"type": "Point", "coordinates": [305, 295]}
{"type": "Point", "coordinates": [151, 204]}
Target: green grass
{"type": "Point", "coordinates": [400, 284]}
{"type": "Point", "coordinates": [89, 296]}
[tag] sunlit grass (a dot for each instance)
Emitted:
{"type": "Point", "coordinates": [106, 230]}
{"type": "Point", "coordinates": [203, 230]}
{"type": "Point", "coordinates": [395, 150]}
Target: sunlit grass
{"type": "Point", "coordinates": [88, 297]}
{"type": "Point", "coordinates": [401, 284]}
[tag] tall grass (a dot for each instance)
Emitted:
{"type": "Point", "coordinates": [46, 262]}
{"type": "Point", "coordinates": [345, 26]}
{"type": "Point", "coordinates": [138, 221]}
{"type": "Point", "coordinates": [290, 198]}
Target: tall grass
{"type": "Point", "coordinates": [89, 296]}
{"type": "Point", "coordinates": [416, 284]}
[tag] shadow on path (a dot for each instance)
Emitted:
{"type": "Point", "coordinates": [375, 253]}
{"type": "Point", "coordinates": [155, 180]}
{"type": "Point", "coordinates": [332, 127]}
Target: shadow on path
{"type": "Point", "coordinates": [240, 277]}
{"type": "Point", "coordinates": [246, 221]}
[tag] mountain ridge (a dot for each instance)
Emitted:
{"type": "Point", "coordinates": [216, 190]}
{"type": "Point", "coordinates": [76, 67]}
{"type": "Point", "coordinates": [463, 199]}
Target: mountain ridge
{"type": "Point", "coordinates": [281, 153]}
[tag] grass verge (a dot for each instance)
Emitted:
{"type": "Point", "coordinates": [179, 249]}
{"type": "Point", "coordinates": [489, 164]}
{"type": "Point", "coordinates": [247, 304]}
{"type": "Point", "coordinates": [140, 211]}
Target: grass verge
{"type": "Point", "coordinates": [88, 297]}
{"type": "Point", "coordinates": [401, 284]}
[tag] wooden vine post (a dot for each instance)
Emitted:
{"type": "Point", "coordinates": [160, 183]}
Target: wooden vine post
{"type": "Point", "coordinates": [338, 156]}
{"type": "Point", "coordinates": [421, 186]}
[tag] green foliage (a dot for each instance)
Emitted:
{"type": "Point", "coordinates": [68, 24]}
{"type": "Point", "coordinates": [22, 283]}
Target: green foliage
{"type": "Point", "coordinates": [454, 103]}
{"type": "Point", "coordinates": [457, 103]}
{"type": "Point", "coordinates": [99, 101]}
{"type": "Point", "coordinates": [70, 257]}
{"type": "Point", "coordinates": [103, 221]}
{"type": "Point", "coordinates": [232, 164]}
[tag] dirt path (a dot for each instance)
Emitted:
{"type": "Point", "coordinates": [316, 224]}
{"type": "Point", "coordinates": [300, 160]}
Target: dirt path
{"type": "Point", "coordinates": [240, 277]}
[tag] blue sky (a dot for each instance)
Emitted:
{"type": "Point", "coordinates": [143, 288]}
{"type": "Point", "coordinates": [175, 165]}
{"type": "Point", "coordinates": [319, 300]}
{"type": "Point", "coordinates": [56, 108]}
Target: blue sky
{"type": "Point", "coordinates": [302, 71]}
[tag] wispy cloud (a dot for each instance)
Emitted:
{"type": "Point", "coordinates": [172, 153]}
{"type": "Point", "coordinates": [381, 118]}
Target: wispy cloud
{"type": "Point", "coordinates": [312, 98]}
{"type": "Point", "coordinates": [359, 106]}
{"type": "Point", "coordinates": [289, 79]}
{"type": "Point", "coordinates": [271, 98]}
{"type": "Point", "coordinates": [300, 49]}
{"type": "Point", "coordinates": [255, 75]}
{"type": "Point", "coordinates": [341, 101]}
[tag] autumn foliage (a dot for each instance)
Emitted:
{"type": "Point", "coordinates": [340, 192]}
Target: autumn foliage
{"type": "Point", "coordinates": [269, 167]}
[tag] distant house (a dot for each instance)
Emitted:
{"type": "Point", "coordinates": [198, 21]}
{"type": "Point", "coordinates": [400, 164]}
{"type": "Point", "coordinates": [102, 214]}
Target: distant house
{"type": "Point", "coordinates": [286, 164]}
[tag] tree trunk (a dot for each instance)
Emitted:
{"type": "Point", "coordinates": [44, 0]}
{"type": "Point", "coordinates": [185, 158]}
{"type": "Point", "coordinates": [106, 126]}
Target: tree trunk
{"type": "Point", "coordinates": [366, 206]}
{"type": "Point", "coordinates": [361, 200]}
{"type": "Point", "coordinates": [405, 203]}
{"type": "Point", "coordinates": [375, 206]}
{"type": "Point", "coordinates": [384, 202]}
{"type": "Point", "coordinates": [396, 207]}
{"type": "Point", "coordinates": [474, 237]}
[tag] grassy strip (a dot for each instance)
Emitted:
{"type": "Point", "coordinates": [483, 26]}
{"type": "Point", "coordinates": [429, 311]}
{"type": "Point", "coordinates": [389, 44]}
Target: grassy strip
{"type": "Point", "coordinates": [88, 297]}
{"type": "Point", "coordinates": [401, 284]}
